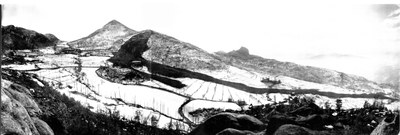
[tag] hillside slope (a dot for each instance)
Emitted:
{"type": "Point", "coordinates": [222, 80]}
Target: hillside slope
{"type": "Point", "coordinates": [17, 38]}
{"type": "Point", "coordinates": [156, 75]}
{"type": "Point", "coordinates": [163, 49]}
{"type": "Point", "coordinates": [110, 36]}
{"type": "Point", "coordinates": [242, 59]}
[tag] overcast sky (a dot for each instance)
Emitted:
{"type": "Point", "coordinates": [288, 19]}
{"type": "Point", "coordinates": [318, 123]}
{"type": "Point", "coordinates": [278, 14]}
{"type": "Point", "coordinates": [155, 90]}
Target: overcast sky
{"type": "Point", "coordinates": [349, 37]}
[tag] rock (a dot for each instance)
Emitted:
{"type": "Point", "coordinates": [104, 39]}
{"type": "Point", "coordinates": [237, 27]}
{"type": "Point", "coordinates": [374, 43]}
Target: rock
{"type": "Point", "coordinates": [388, 126]}
{"type": "Point", "coordinates": [313, 122]}
{"type": "Point", "coordinates": [222, 121]}
{"type": "Point", "coordinates": [22, 95]}
{"type": "Point", "coordinates": [18, 110]}
{"type": "Point", "coordinates": [278, 120]}
{"type": "Point", "coordinates": [10, 126]}
{"type": "Point", "coordinates": [42, 127]}
{"type": "Point", "coordinates": [243, 51]}
{"type": "Point", "coordinates": [309, 109]}
{"type": "Point", "coordinates": [232, 131]}
{"type": "Point", "coordinates": [14, 117]}
{"type": "Point", "coordinates": [290, 129]}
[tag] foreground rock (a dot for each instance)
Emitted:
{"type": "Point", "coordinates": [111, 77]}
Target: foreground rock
{"type": "Point", "coordinates": [232, 131]}
{"type": "Point", "coordinates": [19, 111]}
{"type": "Point", "coordinates": [290, 129]}
{"type": "Point", "coordinates": [229, 123]}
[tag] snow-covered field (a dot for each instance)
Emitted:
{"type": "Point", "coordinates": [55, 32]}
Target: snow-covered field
{"type": "Point", "coordinates": [99, 94]}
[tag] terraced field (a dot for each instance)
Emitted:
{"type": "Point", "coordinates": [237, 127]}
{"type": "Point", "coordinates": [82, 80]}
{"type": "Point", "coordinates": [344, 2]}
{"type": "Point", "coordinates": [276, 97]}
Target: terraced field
{"type": "Point", "coordinates": [76, 77]}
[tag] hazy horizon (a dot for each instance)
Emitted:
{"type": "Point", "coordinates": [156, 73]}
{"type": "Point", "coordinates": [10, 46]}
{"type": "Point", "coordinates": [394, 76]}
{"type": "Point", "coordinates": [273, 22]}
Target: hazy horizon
{"type": "Point", "coordinates": [354, 38]}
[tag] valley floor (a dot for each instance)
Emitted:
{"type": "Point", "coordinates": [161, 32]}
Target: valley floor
{"type": "Point", "coordinates": [76, 77]}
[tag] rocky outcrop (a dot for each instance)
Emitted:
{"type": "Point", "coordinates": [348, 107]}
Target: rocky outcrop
{"type": "Point", "coordinates": [17, 38]}
{"type": "Point", "coordinates": [388, 126]}
{"type": "Point", "coordinates": [243, 51]}
{"type": "Point", "coordinates": [152, 46]}
{"type": "Point", "coordinates": [229, 123]}
{"type": "Point", "coordinates": [110, 36]}
{"type": "Point", "coordinates": [19, 111]}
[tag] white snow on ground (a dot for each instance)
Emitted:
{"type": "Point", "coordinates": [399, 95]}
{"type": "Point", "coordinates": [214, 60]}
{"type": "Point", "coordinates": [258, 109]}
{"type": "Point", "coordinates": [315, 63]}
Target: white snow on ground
{"type": "Point", "coordinates": [47, 50]}
{"type": "Point", "coordinates": [19, 67]}
{"type": "Point", "coordinates": [94, 61]}
{"type": "Point", "coordinates": [167, 102]}
{"type": "Point", "coordinates": [38, 82]}
{"type": "Point", "coordinates": [202, 104]}
{"type": "Point", "coordinates": [196, 104]}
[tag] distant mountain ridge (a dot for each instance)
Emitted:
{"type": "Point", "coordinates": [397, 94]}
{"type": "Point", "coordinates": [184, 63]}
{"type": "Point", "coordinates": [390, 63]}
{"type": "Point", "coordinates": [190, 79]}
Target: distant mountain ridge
{"type": "Point", "coordinates": [110, 36]}
{"type": "Point", "coordinates": [306, 73]}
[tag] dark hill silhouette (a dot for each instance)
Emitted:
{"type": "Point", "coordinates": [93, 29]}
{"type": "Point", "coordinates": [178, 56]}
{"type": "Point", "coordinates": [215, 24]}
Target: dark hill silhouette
{"type": "Point", "coordinates": [17, 38]}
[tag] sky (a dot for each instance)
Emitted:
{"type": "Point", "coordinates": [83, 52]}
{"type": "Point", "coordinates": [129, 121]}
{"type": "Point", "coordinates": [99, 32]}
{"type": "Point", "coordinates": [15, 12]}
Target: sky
{"type": "Point", "coordinates": [352, 37]}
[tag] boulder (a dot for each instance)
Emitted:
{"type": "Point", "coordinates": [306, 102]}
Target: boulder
{"type": "Point", "coordinates": [22, 95]}
{"type": "Point", "coordinates": [42, 127]}
{"type": "Point", "coordinates": [309, 109]}
{"type": "Point", "coordinates": [232, 131]}
{"type": "Point", "coordinates": [278, 120]}
{"type": "Point", "coordinates": [243, 51]}
{"type": "Point", "coordinates": [18, 111]}
{"type": "Point", "coordinates": [312, 121]}
{"type": "Point", "coordinates": [290, 129]}
{"type": "Point", "coordinates": [14, 117]}
{"type": "Point", "coordinates": [220, 122]}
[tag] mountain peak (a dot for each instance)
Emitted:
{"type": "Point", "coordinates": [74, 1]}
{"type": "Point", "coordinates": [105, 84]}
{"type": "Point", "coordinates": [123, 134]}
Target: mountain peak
{"type": "Point", "coordinates": [113, 22]}
{"type": "Point", "coordinates": [111, 34]}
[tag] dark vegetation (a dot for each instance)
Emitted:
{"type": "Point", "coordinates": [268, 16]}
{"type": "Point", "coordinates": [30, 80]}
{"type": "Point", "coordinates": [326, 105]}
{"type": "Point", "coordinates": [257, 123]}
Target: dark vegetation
{"type": "Point", "coordinates": [304, 112]}
{"type": "Point", "coordinates": [135, 76]}
{"type": "Point", "coordinates": [67, 116]}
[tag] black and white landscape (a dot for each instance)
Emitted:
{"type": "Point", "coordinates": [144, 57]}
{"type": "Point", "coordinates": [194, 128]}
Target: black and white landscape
{"type": "Point", "coordinates": [122, 80]}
